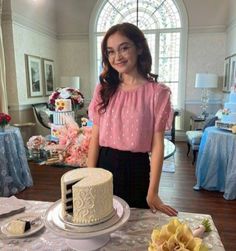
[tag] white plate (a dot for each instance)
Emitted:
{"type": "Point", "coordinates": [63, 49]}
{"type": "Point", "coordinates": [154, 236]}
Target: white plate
{"type": "Point", "coordinates": [38, 224]}
{"type": "Point", "coordinates": [10, 206]}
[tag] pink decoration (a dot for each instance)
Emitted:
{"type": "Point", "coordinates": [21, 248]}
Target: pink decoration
{"type": "Point", "coordinates": [36, 142]}
{"type": "Point", "coordinates": [75, 142]}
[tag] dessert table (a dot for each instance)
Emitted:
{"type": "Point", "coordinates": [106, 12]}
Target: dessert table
{"type": "Point", "coordinates": [15, 174]}
{"type": "Point", "coordinates": [216, 162]}
{"type": "Point", "coordinates": [133, 236]}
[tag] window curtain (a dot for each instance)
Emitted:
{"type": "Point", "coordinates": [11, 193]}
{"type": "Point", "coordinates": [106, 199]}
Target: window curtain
{"type": "Point", "coordinates": [3, 88]}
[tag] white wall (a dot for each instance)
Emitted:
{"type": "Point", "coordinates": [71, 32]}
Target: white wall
{"type": "Point", "coordinates": [30, 42]}
{"type": "Point", "coordinates": [73, 16]}
{"type": "Point", "coordinates": [207, 13]}
{"type": "Point", "coordinates": [39, 14]}
{"type": "Point", "coordinates": [74, 61]}
{"type": "Point", "coordinates": [231, 29]}
{"type": "Point", "coordinates": [205, 54]}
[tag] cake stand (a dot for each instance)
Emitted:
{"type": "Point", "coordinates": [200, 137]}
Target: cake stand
{"type": "Point", "coordinates": [86, 237]}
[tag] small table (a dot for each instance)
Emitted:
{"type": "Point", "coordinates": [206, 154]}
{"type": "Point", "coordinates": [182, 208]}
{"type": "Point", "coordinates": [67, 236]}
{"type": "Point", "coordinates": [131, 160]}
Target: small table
{"type": "Point", "coordinates": [216, 162]}
{"type": "Point", "coordinates": [169, 148]}
{"type": "Point", "coordinates": [14, 170]}
{"type": "Point", "coordinates": [196, 123]}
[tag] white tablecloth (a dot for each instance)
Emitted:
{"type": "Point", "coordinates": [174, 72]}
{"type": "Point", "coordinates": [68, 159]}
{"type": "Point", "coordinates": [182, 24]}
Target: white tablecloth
{"type": "Point", "coordinates": [133, 236]}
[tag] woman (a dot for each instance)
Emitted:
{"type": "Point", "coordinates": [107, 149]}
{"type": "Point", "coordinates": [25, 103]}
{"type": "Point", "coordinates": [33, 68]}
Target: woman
{"type": "Point", "coordinates": [130, 113]}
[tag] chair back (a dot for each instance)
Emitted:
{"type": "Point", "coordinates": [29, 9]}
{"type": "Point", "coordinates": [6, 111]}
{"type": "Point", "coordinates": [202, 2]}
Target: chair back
{"type": "Point", "coordinates": [39, 109]}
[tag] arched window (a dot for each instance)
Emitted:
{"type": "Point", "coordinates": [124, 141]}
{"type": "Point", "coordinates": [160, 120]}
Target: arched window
{"type": "Point", "coordinates": [164, 23]}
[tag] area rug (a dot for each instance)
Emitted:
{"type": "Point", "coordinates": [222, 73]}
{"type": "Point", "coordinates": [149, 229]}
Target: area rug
{"type": "Point", "coordinates": [169, 165]}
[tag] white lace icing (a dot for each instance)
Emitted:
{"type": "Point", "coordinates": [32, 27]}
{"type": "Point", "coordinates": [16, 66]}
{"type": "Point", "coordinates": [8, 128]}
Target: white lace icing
{"type": "Point", "coordinates": [92, 194]}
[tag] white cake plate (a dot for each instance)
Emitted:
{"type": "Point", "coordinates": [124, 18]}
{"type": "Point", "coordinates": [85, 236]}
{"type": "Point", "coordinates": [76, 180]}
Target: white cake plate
{"type": "Point", "coordinates": [86, 238]}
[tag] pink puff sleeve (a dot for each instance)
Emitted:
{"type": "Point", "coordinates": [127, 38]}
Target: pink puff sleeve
{"type": "Point", "coordinates": [93, 113]}
{"type": "Point", "coordinates": [163, 110]}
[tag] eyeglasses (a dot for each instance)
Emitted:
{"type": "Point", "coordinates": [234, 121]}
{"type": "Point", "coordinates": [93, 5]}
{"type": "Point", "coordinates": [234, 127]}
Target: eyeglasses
{"type": "Point", "coordinates": [123, 50]}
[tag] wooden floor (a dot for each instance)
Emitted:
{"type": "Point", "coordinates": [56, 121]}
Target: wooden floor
{"type": "Point", "coordinates": [176, 189]}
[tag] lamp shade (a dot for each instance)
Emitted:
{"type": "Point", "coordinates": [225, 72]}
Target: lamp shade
{"type": "Point", "coordinates": [206, 80]}
{"type": "Point", "coordinates": [73, 81]}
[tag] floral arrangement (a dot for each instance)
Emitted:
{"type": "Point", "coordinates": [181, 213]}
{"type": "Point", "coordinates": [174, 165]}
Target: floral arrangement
{"type": "Point", "coordinates": [36, 142]}
{"type": "Point", "coordinates": [178, 236]}
{"type": "Point", "coordinates": [77, 98]}
{"type": "Point", "coordinates": [225, 111]}
{"type": "Point", "coordinates": [73, 143]}
{"type": "Point", "coordinates": [4, 119]}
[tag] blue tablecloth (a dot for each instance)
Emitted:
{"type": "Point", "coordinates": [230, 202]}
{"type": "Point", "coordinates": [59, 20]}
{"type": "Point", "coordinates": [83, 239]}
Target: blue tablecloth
{"type": "Point", "coordinates": [14, 170]}
{"type": "Point", "coordinates": [216, 162]}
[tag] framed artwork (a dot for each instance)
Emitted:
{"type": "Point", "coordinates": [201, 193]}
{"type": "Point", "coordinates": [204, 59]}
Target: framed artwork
{"type": "Point", "coordinates": [48, 69]}
{"type": "Point", "coordinates": [34, 76]}
{"type": "Point", "coordinates": [226, 80]}
{"type": "Point", "coordinates": [232, 71]}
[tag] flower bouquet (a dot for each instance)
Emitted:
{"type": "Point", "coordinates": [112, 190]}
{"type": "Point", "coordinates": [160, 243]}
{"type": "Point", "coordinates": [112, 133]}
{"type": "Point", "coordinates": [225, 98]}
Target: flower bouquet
{"type": "Point", "coordinates": [178, 236]}
{"type": "Point", "coordinates": [4, 120]}
{"type": "Point", "coordinates": [35, 146]}
{"type": "Point", "coordinates": [73, 144]}
{"type": "Point", "coordinates": [36, 142]}
{"type": "Point", "coordinates": [77, 98]}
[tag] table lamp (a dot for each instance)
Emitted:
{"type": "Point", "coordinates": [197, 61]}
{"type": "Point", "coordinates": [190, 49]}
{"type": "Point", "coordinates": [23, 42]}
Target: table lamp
{"type": "Point", "coordinates": [205, 81]}
{"type": "Point", "coordinates": [72, 81]}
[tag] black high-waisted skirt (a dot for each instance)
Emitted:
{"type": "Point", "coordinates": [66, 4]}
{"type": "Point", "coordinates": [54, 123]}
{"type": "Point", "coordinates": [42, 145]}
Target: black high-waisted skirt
{"type": "Point", "coordinates": [130, 174]}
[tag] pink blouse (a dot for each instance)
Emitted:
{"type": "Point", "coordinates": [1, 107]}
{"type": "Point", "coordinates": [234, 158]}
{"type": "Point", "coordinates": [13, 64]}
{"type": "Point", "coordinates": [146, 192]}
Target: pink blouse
{"type": "Point", "coordinates": [132, 117]}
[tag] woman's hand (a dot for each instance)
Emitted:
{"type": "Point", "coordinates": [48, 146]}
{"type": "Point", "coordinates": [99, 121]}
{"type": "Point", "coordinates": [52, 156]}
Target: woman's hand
{"type": "Point", "coordinates": [155, 203]}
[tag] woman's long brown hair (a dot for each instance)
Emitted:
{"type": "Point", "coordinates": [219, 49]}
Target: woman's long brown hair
{"type": "Point", "coordinates": [109, 78]}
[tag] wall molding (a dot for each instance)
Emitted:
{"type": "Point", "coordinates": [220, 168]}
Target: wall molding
{"type": "Point", "coordinates": [208, 29]}
{"type": "Point", "coordinates": [19, 107]}
{"type": "Point", "coordinates": [73, 36]}
{"type": "Point", "coordinates": [198, 102]}
{"type": "Point", "coordinates": [20, 20]}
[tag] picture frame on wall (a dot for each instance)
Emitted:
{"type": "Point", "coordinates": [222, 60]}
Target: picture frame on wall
{"type": "Point", "coordinates": [226, 79]}
{"type": "Point", "coordinates": [48, 69]}
{"type": "Point", "coordinates": [232, 71]}
{"type": "Point", "coordinates": [34, 76]}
